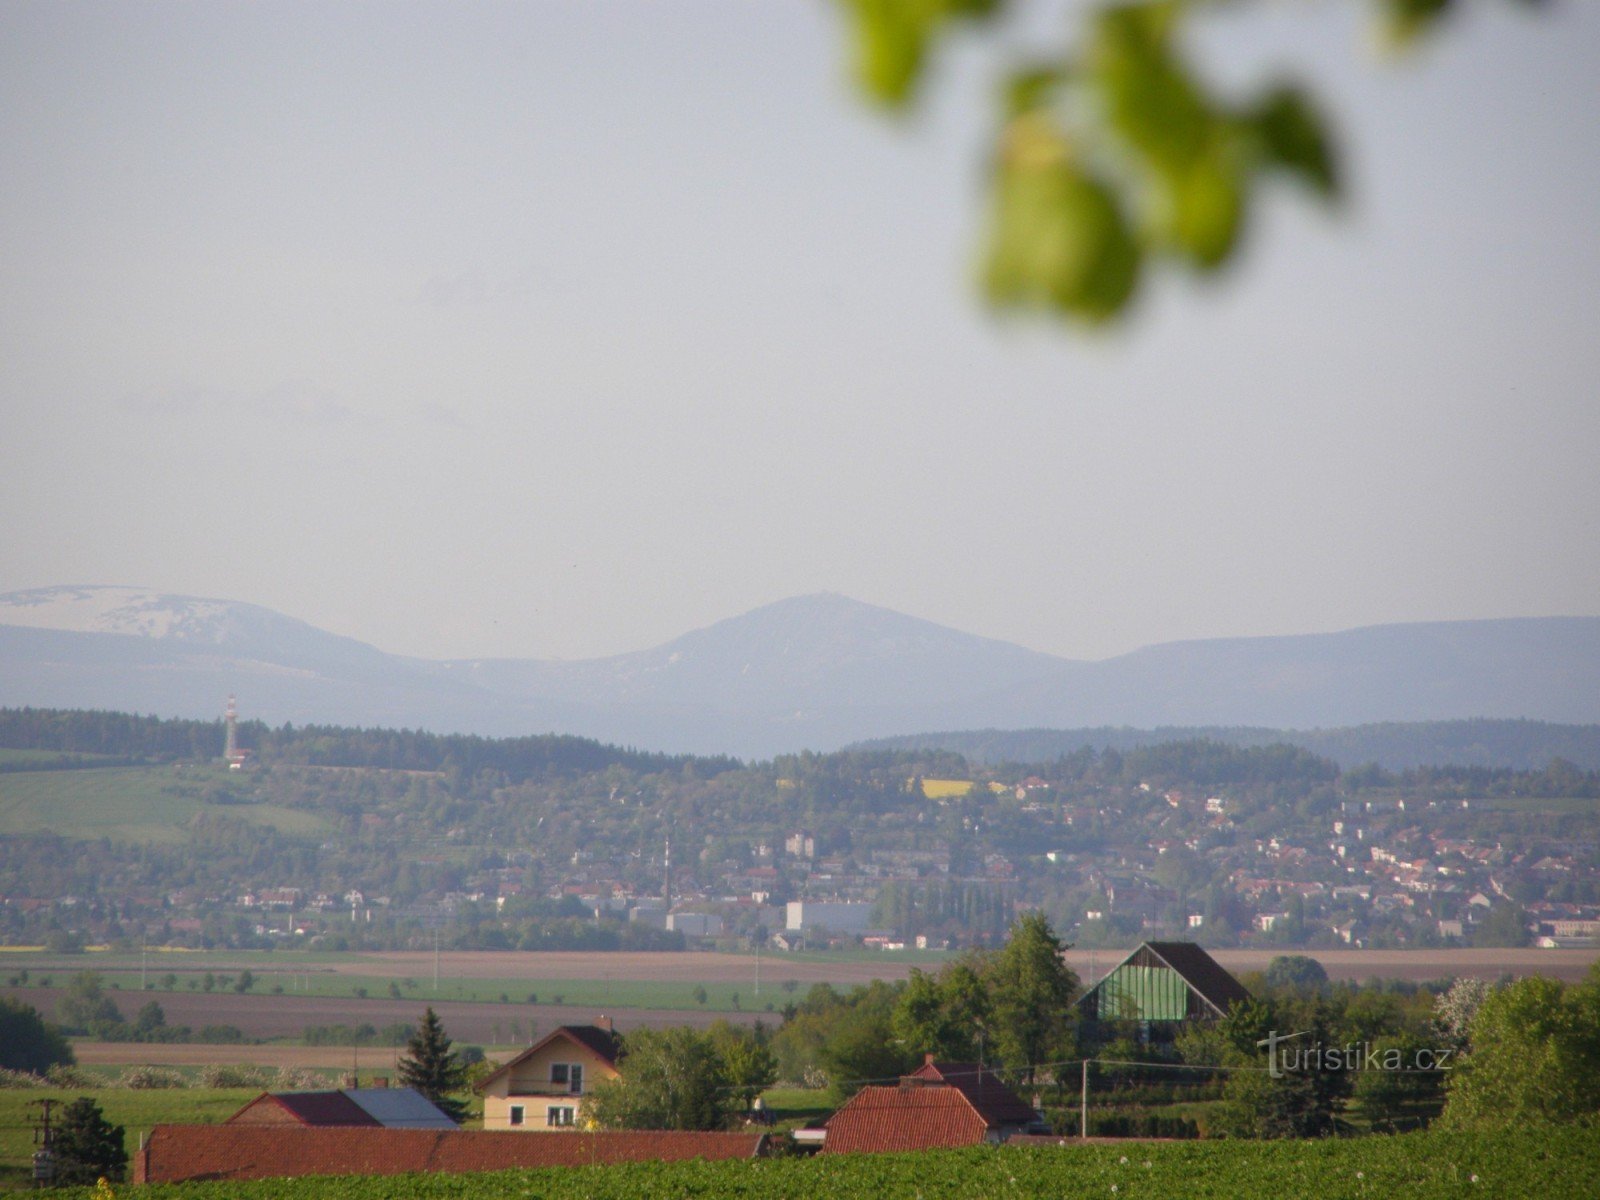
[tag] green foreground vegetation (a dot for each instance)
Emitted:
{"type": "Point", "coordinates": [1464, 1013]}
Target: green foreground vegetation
{"type": "Point", "coordinates": [136, 1110]}
{"type": "Point", "coordinates": [1541, 1163]}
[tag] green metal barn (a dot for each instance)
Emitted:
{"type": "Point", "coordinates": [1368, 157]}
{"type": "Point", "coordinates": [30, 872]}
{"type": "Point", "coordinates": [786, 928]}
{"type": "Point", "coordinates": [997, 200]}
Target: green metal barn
{"type": "Point", "coordinates": [1163, 982]}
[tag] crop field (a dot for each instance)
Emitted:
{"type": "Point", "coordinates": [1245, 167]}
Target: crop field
{"type": "Point", "coordinates": [945, 789]}
{"type": "Point", "coordinates": [1561, 1164]}
{"type": "Point", "coordinates": [136, 804]}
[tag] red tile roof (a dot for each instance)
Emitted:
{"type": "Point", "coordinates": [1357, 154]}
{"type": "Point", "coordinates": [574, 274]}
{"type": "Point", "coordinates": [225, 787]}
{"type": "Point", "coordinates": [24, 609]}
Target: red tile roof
{"type": "Point", "coordinates": [173, 1153]}
{"type": "Point", "coordinates": [912, 1116]}
{"type": "Point", "coordinates": [303, 1108]}
{"type": "Point", "coordinates": [985, 1090]}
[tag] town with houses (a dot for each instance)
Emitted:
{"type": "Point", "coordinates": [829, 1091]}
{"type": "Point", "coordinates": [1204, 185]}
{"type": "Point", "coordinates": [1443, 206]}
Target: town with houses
{"type": "Point", "coordinates": [1292, 853]}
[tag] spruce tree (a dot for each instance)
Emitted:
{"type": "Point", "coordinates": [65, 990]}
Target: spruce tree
{"type": "Point", "coordinates": [433, 1068]}
{"type": "Point", "coordinates": [87, 1146]}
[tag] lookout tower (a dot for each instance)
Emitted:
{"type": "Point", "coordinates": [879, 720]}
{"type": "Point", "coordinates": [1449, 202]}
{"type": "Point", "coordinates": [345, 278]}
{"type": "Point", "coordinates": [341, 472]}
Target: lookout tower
{"type": "Point", "coordinates": [230, 750]}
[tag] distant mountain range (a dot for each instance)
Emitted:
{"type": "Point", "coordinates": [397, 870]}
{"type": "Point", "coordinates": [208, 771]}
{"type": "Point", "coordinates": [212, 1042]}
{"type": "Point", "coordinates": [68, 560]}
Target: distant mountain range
{"type": "Point", "coordinates": [813, 672]}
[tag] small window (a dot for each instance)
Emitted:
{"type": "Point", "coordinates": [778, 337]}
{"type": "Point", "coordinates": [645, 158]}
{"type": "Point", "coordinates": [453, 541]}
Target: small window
{"type": "Point", "coordinates": [577, 1078]}
{"type": "Point", "coordinates": [516, 1114]}
{"type": "Point", "coordinates": [558, 1073]}
{"type": "Point", "coordinates": [558, 1115]}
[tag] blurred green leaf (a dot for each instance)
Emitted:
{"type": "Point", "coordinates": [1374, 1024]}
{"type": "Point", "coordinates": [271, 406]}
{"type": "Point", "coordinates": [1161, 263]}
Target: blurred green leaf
{"type": "Point", "coordinates": [893, 39]}
{"type": "Point", "coordinates": [1207, 211]}
{"type": "Point", "coordinates": [1116, 151]}
{"type": "Point", "coordinates": [1294, 137]}
{"type": "Point", "coordinates": [1150, 99]}
{"type": "Point", "coordinates": [1406, 20]}
{"type": "Point", "coordinates": [1058, 238]}
{"type": "Point", "coordinates": [1032, 88]}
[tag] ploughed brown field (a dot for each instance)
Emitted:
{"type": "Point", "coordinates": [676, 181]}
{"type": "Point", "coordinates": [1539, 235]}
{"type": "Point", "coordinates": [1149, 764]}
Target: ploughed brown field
{"type": "Point", "coordinates": [704, 967]}
{"type": "Point", "coordinates": [380, 1060]}
{"type": "Point", "coordinates": [288, 1016]}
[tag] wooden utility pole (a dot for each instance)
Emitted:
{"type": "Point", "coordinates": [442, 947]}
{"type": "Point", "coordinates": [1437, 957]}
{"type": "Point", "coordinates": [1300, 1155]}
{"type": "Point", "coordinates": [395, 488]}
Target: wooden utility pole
{"type": "Point", "coordinates": [1083, 1107]}
{"type": "Point", "coordinates": [44, 1158]}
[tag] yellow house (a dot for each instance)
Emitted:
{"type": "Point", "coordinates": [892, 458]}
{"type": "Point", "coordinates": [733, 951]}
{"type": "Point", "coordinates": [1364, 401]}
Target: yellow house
{"type": "Point", "coordinates": [543, 1087]}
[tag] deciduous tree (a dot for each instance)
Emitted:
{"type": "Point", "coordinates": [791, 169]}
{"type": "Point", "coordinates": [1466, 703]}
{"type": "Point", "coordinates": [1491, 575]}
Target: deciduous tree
{"type": "Point", "coordinates": [27, 1041]}
{"type": "Point", "coordinates": [1031, 993]}
{"type": "Point", "coordinates": [670, 1079]}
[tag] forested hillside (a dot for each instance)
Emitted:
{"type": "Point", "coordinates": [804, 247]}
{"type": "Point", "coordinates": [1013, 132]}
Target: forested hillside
{"type": "Point", "coordinates": [1395, 745]}
{"type": "Point", "coordinates": [121, 827]}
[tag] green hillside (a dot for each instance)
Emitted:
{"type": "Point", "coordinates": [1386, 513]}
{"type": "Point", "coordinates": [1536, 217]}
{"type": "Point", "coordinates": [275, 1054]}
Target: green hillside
{"type": "Point", "coordinates": [135, 804]}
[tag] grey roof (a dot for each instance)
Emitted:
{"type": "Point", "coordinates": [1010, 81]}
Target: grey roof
{"type": "Point", "coordinates": [400, 1108]}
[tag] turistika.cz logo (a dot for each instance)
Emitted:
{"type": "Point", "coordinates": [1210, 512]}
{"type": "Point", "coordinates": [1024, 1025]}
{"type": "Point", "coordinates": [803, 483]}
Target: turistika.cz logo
{"type": "Point", "coordinates": [1284, 1058]}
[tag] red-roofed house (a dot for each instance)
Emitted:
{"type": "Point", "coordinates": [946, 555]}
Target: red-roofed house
{"type": "Point", "coordinates": [985, 1090]}
{"type": "Point", "coordinates": [943, 1104]}
{"type": "Point", "coordinates": [386, 1107]}
{"type": "Point", "coordinates": [315, 1109]}
{"type": "Point", "coordinates": [174, 1153]}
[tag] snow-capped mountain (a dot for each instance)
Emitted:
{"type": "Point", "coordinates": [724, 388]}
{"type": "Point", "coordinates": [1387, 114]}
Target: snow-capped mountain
{"type": "Point", "coordinates": [813, 672]}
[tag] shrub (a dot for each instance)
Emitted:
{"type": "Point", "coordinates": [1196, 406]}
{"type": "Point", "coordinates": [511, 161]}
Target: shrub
{"type": "Point", "coordinates": [148, 1078]}
{"type": "Point", "coordinates": [216, 1075]}
{"type": "Point", "coordinates": [67, 1076]}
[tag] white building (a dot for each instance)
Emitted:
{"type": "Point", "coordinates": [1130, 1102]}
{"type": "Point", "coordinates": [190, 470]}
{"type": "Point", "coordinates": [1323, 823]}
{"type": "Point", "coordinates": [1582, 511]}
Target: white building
{"type": "Point", "coordinates": [837, 916]}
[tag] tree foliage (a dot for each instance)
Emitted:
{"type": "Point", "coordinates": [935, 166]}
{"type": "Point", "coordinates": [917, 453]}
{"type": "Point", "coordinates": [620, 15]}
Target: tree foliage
{"type": "Point", "coordinates": [1113, 153]}
{"type": "Point", "coordinates": [430, 1066]}
{"type": "Point", "coordinates": [1031, 995]}
{"type": "Point", "coordinates": [1534, 1057]}
{"type": "Point", "coordinates": [1296, 973]}
{"type": "Point", "coordinates": [670, 1079]}
{"type": "Point", "coordinates": [87, 1147]}
{"type": "Point", "coordinates": [27, 1041]}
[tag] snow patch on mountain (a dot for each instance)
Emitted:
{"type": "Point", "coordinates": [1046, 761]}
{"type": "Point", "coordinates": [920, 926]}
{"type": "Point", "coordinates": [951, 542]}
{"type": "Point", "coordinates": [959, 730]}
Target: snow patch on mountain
{"type": "Point", "coordinates": [135, 612]}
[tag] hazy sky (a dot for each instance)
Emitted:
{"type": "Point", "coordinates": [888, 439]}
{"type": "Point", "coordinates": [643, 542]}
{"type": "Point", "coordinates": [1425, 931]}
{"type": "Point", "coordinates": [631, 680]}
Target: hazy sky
{"type": "Point", "coordinates": [558, 329]}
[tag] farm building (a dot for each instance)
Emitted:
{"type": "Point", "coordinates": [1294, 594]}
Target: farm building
{"type": "Point", "coordinates": [380, 1107]}
{"type": "Point", "coordinates": [941, 1104]}
{"type": "Point", "coordinates": [1163, 984]}
{"type": "Point", "coordinates": [543, 1087]}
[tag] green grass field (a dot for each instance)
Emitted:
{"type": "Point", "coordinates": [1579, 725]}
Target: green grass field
{"type": "Point", "coordinates": [273, 978]}
{"type": "Point", "coordinates": [135, 1111]}
{"type": "Point", "coordinates": [11, 758]}
{"type": "Point", "coordinates": [1557, 805]}
{"type": "Point", "coordinates": [1518, 1164]}
{"type": "Point", "coordinates": [311, 973]}
{"type": "Point", "coordinates": [136, 804]}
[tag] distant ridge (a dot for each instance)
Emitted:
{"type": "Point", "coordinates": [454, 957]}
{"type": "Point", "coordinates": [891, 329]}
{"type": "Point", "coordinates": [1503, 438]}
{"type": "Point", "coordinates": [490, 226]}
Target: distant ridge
{"type": "Point", "coordinates": [812, 672]}
{"type": "Point", "coordinates": [1396, 746]}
